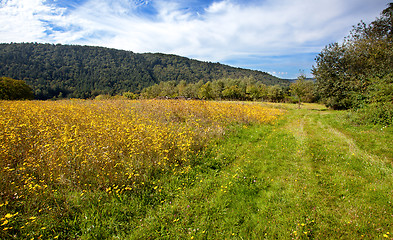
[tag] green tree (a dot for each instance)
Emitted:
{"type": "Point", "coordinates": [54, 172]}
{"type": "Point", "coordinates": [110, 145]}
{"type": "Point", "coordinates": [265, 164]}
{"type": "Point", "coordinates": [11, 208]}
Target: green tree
{"type": "Point", "coordinates": [151, 92]}
{"type": "Point", "coordinates": [232, 92]}
{"type": "Point", "coordinates": [181, 88]}
{"type": "Point", "coordinates": [252, 92]}
{"type": "Point", "coordinates": [345, 72]}
{"type": "Point", "coordinates": [168, 89]}
{"type": "Point", "coordinates": [332, 81]}
{"type": "Point", "coordinates": [11, 89]}
{"type": "Point", "coordinates": [275, 93]}
{"type": "Point", "coordinates": [205, 91]}
{"type": "Point", "coordinates": [190, 91]}
{"type": "Point", "coordinates": [263, 91]}
{"type": "Point", "coordinates": [130, 95]}
{"type": "Point", "coordinates": [217, 88]}
{"type": "Point", "coordinates": [381, 89]}
{"type": "Point", "coordinates": [302, 89]}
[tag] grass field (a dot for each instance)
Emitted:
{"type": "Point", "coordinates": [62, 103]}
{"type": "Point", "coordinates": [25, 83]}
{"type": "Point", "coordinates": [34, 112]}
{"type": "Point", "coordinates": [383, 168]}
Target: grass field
{"type": "Point", "coordinates": [238, 173]}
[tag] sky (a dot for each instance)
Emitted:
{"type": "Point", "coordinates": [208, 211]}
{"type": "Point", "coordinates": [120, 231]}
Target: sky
{"type": "Point", "coordinates": [281, 37]}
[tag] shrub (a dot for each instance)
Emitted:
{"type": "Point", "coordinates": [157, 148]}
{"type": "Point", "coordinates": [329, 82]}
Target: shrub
{"type": "Point", "coordinates": [376, 113]}
{"type": "Point", "coordinates": [11, 89]}
{"type": "Point", "coordinates": [130, 95]}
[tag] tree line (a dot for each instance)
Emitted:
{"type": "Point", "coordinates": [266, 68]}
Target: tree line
{"type": "Point", "coordinates": [244, 89]}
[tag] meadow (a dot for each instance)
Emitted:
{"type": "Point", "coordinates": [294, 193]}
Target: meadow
{"type": "Point", "coordinates": [169, 169]}
{"type": "Point", "coordinates": [59, 156]}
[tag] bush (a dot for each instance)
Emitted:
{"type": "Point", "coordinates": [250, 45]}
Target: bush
{"type": "Point", "coordinates": [11, 89]}
{"type": "Point", "coordinates": [337, 103]}
{"type": "Point", "coordinates": [377, 113]}
{"type": "Point", "coordinates": [130, 95]}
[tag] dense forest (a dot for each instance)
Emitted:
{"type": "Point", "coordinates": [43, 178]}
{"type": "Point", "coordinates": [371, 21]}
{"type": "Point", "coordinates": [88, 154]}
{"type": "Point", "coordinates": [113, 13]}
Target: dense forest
{"type": "Point", "coordinates": [72, 71]}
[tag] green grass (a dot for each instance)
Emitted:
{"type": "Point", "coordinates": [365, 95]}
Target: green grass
{"type": "Point", "coordinates": [311, 175]}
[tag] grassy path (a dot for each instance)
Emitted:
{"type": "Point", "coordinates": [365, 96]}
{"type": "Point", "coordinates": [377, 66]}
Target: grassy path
{"type": "Point", "coordinates": [310, 176]}
{"type": "Point", "coordinates": [347, 189]}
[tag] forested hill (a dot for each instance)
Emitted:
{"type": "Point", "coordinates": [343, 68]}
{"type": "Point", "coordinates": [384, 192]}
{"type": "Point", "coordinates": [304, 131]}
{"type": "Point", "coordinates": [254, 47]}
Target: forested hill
{"type": "Point", "coordinates": [85, 71]}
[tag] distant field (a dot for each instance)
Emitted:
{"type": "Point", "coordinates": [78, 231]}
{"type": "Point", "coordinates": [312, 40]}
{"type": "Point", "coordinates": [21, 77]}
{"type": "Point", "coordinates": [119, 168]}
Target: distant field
{"type": "Point", "coordinates": [172, 169]}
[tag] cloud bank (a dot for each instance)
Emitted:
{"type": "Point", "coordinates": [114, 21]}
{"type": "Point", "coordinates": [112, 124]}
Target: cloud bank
{"type": "Point", "coordinates": [240, 33]}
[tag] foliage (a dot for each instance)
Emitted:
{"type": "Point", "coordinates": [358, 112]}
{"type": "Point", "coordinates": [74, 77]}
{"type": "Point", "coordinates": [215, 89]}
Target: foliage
{"type": "Point", "coordinates": [275, 93]}
{"type": "Point", "coordinates": [11, 89]}
{"type": "Point", "coordinates": [303, 90]}
{"type": "Point", "coordinates": [130, 95]}
{"type": "Point", "coordinates": [379, 109]}
{"type": "Point", "coordinates": [345, 72]}
{"type": "Point", "coordinates": [381, 89]}
{"type": "Point", "coordinates": [72, 71]}
{"type": "Point", "coordinates": [110, 97]}
{"type": "Point", "coordinates": [332, 80]}
{"type": "Point", "coordinates": [205, 91]}
{"type": "Point", "coordinates": [375, 113]}
{"type": "Point", "coordinates": [223, 89]}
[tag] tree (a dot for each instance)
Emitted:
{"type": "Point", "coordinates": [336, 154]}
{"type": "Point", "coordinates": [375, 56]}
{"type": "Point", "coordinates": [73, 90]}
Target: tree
{"type": "Point", "coordinates": [181, 88]}
{"type": "Point", "coordinates": [263, 91]}
{"type": "Point", "coordinates": [205, 91]}
{"type": "Point", "coordinates": [190, 91]}
{"type": "Point", "coordinates": [151, 92]}
{"type": "Point", "coordinates": [302, 89]}
{"type": "Point", "coordinates": [11, 89]}
{"type": "Point", "coordinates": [344, 72]}
{"type": "Point", "coordinates": [331, 76]}
{"type": "Point", "coordinates": [253, 92]}
{"type": "Point", "coordinates": [217, 88]}
{"type": "Point", "coordinates": [275, 93]}
{"type": "Point", "coordinates": [168, 89]}
{"type": "Point", "coordinates": [130, 95]}
{"type": "Point", "coordinates": [232, 92]}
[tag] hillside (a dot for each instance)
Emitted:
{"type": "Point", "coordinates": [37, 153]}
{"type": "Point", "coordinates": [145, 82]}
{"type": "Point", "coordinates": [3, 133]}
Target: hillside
{"type": "Point", "coordinates": [85, 71]}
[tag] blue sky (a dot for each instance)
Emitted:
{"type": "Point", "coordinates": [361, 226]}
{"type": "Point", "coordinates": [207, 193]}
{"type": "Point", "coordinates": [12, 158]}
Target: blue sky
{"type": "Point", "coordinates": [276, 36]}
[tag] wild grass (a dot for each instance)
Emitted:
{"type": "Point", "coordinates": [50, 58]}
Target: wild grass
{"type": "Point", "coordinates": [61, 160]}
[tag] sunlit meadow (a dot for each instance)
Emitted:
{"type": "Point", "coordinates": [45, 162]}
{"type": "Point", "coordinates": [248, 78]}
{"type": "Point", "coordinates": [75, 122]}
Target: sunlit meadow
{"type": "Point", "coordinates": [111, 147]}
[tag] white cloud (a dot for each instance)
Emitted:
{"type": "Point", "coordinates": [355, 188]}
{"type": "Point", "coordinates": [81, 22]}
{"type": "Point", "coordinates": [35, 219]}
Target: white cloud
{"type": "Point", "coordinates": [225, 30]}
{"type": "Point", "coordinates": [24, 21]}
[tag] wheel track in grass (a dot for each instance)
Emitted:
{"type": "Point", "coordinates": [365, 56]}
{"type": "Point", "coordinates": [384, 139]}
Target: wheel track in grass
{"type": "Point", "coordinates": [341, 173]}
